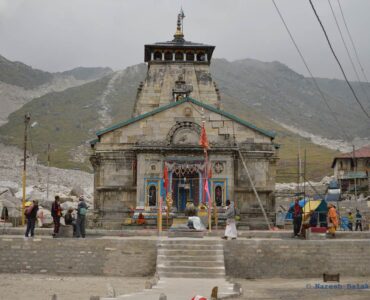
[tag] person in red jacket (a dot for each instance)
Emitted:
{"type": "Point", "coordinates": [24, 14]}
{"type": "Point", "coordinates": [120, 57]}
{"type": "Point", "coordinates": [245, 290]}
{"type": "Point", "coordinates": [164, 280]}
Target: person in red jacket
{"type": "Point", "coordinates": [56, 213]}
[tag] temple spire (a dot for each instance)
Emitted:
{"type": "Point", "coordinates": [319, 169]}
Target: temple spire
{"type": "Point", "coordinates": [179, 35]}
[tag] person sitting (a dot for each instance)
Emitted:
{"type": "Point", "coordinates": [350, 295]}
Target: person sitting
{"type": "Point", "coordinates": [195, 222]}
{"type": "Point", "coordinates": [69, 219]}
{"type": "Point", "coordinates": [140, 220]}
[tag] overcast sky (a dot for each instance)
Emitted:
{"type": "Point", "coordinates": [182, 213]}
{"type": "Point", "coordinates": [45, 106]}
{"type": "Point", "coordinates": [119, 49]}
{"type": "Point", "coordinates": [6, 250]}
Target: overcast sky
{"type": "Point", "coordinates": [57, 35]}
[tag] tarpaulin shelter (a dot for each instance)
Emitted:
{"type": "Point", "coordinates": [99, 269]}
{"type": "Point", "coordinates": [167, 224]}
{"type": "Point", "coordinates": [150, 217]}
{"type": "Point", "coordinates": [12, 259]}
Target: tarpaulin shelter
{"type": "Point", "coordinates": [318, 206]}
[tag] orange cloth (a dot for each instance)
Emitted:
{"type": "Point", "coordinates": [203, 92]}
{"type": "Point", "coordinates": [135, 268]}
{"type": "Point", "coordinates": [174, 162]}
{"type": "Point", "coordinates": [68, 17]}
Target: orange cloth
{"type": "Point", "coordinates": [332, 215]}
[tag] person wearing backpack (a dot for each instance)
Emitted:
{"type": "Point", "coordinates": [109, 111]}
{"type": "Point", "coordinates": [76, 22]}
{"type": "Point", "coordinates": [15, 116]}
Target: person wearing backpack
{"type": "Point", "coordinates": [81, 217]}
{"type": "Point", "coordinates": [31, 215]}
{"type": "Point", "coordinates": [56, 213]}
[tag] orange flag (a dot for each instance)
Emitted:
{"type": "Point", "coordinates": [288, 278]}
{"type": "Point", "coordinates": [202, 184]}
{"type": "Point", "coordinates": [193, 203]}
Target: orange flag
{"type": "Point", "coordinates": [203, 141]}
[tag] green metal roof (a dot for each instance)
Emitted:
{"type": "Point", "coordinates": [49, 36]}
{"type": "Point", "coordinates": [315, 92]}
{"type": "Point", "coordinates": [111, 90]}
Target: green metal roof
{"type": "Point", "coordinates": [173, 104]}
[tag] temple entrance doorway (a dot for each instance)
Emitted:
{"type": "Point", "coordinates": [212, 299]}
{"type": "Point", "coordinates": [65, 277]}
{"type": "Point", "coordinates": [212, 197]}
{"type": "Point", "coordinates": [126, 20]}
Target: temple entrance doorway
{"type": "Point", "coordinates": [186, 189]}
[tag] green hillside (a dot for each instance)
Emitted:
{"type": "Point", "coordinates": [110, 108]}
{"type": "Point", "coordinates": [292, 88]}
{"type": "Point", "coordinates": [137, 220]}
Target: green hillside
{"type": "Point", "coordinates": [19, 74]}
{"type": "Point", "coordinates": [70, 118]}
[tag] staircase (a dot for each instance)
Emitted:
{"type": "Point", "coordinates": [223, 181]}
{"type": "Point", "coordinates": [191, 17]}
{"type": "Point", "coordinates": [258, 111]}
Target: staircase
{"type": "Point", "coordinates": [188, 267]}
{"type": "Point", "coordinates": [190, 258]}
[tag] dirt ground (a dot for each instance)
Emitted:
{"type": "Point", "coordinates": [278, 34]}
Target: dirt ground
{"type": "Point", "coordinates": [42, 287]}
{"type": "Point", "coordinates": [304, 289]}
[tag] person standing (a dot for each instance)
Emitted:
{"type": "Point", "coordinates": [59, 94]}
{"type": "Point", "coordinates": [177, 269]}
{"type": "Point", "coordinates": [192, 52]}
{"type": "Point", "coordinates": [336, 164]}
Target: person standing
{"type": "Point", "coordinates": [31, 215]}
{"type": "Point", "coordinates": [297, 217]}
{"type": "Point", "coordinates": [350, 221]}
{"type": "Point", "coordinates": [332, 219]}
{"type": "Point", "coordinates": [230, 231]}
{"type": "Point", "coordinates": [358, 220]}
{"type": "Point", "coordinates": [81, 217]}
{"type": "Point", "coordinates": [56, 213]}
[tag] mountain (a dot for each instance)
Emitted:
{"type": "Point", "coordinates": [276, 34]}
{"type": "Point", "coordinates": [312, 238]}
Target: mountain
{"type": "Point", "coordinates": [283, 95]}
{"type": "Point", "coordinates": [19, 74]}
{"type": "Point", "coordinates": [87, 74]}
{"type": "Point", "coordinates": [20, 83]}
{"type": "Point", "coordinates": [69, 118]}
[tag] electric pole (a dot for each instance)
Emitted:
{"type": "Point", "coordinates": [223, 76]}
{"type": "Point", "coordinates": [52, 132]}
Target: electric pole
{"type": "Point", "coordinates": [27, 119]}
{"type": "Point", "coordinates": [48, 174]}
{"type": "Point", "coordinates": [355, 170]}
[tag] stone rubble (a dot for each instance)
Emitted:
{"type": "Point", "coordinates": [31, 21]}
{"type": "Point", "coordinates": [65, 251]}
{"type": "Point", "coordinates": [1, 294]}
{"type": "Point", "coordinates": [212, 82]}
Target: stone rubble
{"type": "Point", "coordinates": [68, 184]}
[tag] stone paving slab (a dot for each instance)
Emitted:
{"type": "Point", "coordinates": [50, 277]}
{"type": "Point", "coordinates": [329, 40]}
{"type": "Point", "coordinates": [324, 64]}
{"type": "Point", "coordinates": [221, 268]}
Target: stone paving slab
{"type": "Point", "coordinates": [182, 289]}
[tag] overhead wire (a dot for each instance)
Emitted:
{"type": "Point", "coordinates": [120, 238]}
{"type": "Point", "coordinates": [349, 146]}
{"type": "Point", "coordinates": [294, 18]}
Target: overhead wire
{"type": "Point", "coordinates": [309, 72]}
{"type": "Point", "coordinates": [348, 54]}
{"type": "Point", "coordinates": [337, 60]}
{"type": "Point", "coordinates": [353, 44]}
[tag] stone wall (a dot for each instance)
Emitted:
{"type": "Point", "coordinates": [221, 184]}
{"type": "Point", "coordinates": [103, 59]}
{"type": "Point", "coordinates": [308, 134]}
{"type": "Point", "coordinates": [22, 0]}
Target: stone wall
{"type": "Point", "coordinates": [78, 256]}
{"type": "Point", "coordinates": [244, 258]}
{"type": "Point", "coordinates": [296, 258]}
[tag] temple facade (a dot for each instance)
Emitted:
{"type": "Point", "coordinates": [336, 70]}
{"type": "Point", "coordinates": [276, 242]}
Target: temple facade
{"type": "Point", "coordinates": [176, 99]}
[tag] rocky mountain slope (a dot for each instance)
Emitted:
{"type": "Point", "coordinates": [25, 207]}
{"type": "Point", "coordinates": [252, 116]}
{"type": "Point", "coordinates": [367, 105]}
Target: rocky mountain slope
{"type": "Point", "coordinates": [283, 95]}
{"type": "Point", "coordinates": [20, 83]}
{"type": "Point", "coordinates": [270, 95]}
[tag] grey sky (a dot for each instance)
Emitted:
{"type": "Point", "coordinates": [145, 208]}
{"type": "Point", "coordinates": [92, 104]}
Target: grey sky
{"type": "Point", "coordinates": [57, 35]}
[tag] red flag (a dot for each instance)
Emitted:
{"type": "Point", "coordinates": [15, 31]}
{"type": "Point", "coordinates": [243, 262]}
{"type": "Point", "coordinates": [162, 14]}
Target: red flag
{"type": "Point", "coordinates": [203, 141]}
{"type": "Point", "coordinates": [206, 191]}
{"type": "Point", "coordinates": [165, 178]}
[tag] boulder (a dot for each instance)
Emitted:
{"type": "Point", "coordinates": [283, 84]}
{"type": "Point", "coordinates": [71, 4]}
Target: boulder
{"type": "Point", "coordinates": [77, 191]}
{"type": "Point", "coordinates": [44, 216]}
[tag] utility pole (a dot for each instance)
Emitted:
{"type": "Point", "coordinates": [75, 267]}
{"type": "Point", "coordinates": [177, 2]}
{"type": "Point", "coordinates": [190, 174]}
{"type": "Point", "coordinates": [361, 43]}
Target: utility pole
{"type": "Point", "coordinates": [355, 169]}
{"type": "Point", "coordinates": [27, 119]}
{"type": "Point", "coordinates": [48, 174]}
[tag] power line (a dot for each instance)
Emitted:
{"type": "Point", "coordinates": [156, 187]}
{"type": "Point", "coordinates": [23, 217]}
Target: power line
{"type": "Point", "coordinates": [353, 44]}
{"type": "Point", "coordinates": [309, 71]}
{"type": "Point", "coordinates": [348, 54]}
{"type": "Point", "coordinates": [337, 60]}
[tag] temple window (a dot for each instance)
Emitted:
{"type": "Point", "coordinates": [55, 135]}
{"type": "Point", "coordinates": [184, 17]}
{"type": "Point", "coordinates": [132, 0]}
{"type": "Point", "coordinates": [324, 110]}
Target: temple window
{"type": "Point", "coordinates": [179, 56]}
{"type": "Point", "coordinates": [218, 195]}
{"type": "Point", "coordinates": [190, 56]}
{"type": "Point", "coordinates": [201, 56]}
{"type": "Point", "coordinates": [168, 55]}
{"type": "Point", "coordinates": [157, 55]}
{"type": "Point", "coordinates": [152, 196]}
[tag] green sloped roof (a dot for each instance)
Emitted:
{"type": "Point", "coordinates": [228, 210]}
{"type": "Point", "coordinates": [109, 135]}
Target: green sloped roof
{"type": "Point", "coordinates": [173, 104]}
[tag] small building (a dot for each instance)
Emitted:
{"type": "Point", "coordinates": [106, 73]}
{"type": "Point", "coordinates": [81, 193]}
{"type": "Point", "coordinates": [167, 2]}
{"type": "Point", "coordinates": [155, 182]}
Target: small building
{"type": "Point", "coordinates": [176, 99]}
{"type": "Point", "coordinates": [352, 170]}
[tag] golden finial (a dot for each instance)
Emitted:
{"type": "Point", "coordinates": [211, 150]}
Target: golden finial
{"type": "Point", "coordinates": [180, 26]}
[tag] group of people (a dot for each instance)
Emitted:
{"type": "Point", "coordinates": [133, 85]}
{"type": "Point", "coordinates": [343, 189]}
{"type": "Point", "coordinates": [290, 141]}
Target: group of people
{"type": "Point", "coordinates": [301, 222]}
{"type": "Point", "coordinates": [78, 222]}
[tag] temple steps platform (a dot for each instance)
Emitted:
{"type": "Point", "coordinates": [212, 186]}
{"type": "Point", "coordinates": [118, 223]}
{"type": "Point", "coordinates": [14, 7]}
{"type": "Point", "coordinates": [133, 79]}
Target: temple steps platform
{"type": "Point", "coordinates": [142, 233]}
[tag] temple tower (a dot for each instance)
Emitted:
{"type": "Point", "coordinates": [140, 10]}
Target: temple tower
{"type": "Point", "coordinates": [176, 69]}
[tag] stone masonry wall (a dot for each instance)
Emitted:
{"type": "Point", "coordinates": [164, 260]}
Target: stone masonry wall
{"type": "Point", "coordinates": [244, 258]}
{"type": "Point", "coordinates": [296, 258]}
{"type": "Point", "coordinates": [109, 257]}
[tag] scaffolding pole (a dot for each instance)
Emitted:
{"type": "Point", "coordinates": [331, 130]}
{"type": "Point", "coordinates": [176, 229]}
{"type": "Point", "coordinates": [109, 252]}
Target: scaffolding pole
{"type": "Point", "coordinates": [254, 190]}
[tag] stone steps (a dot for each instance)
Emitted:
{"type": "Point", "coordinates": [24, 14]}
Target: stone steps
{"type": "Point", "coordinates": [199, 258]}
{"type": "Point", "coordinates": [190, 259]}
{"type": "Point", "coordinates": [169, 274]}
{"type": "Point", "coordinates": [189, 263]}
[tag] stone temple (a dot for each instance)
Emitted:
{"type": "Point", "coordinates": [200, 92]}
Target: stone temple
{"type": "Point", "coordinates": [176, 98]}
